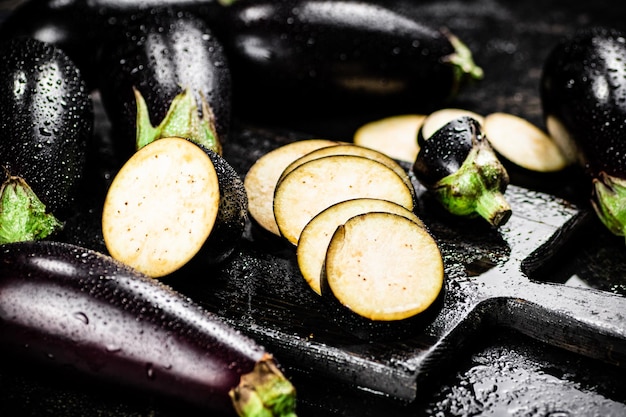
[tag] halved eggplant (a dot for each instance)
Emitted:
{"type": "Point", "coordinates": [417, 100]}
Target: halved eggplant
{"type": "Point", "coordinates": [395, 136]}
{"type": "Point", "coordinates": [582, 93]}
{"type": "Point", "coordinates": [460, 168]}
{"type": "Point", "coordinates": [322, 182]}
{"type": "Point", "coordinates": [172, 201]}
{"type": "Point", "coordinates": [522, 143]}
{"type": "Point", "coordinates": [383, 266]}
{"type": "Point", "coordinates": [311, 57]}
{"type": "Point", "coordinates": [161, 55]}
{"type": "Point", "coordinates": [46, 122]}
{"type": "Point", "coordinates": [68, 306]}
{"type": "Point", "coordinates": [261, 179]}
{"type": "Point", "coordinates": [350, 149]}
{"type": "Point", "coordinates": [161, 207]}
{"type": "Point", "coordinates": [316, 235]}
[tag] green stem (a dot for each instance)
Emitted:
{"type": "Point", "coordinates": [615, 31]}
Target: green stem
{"type": "Point", "coordinates": [493, 207]}
{"type": "Point", "coordinates": [465, 69]}
{"type": "Point", "coordinates": [182, 120]}
{"type": "Point", "coordinates": [23, 216]}
{"type": "Point", "coordinates": [264, 392]}
{"type": "Point", "coordinates": [477, 187]}
{"type": "Point", "coordinates": [609, 202]}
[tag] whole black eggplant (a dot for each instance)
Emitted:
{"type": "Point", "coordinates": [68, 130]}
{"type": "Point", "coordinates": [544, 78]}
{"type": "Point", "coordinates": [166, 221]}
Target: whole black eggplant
{"type": "Point", "coordinates": [83, 309]}
{"type": "Point", "coordinates": [318, 56]}
{"type": "Point", "coordinates": [458, 165]}
{"type": "Point", "coordinates": [46, 122]}
{"type": "Point", "coordinates": [160, 58]}
{"type": "Point", "coordinates": [583, 93]}
{"type": "Point", "coordinates": [80, 26]}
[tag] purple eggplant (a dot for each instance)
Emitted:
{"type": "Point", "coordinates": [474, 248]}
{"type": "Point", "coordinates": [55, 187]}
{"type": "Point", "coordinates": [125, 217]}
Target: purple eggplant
{"type": "Point", "coordinates": [162, 67]}
{"type": "Point", "coordinates": [306, 57]}
{"type": "Point", "coordinates": [84, 309]}
{"type": "Point", "coordinates": [583, 93]}
{"type": "Point", "coordinates": [79, 26]}
{"type": "Point", "coordinates": [46, 124]}
{"type": "Point", "coordinates": [459, 167]}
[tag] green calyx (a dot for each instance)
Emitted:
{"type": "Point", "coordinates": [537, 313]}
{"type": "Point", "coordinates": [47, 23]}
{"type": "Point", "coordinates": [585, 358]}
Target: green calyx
{"type": "Point", "coordinates": [462, 61]}
{"type": "Point", "coordinates": [609, 202]}
{"type": "Point", "coordinates": [476, 188]}
{"type": "Point", "coordinates": [264, 392]}
{"type": "Point", "coordinates": [182, 120]}
{"type": "Point", "coordinates": [23, 216]}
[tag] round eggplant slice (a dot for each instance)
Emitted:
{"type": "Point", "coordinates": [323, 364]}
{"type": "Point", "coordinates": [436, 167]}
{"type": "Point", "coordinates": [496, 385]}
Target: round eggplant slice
{"type": "Point", "coordinates": [316, 235]}
{"type": "Point", "coordinates": [351, 149]}
{"type": "Point", "coordinates": [161, 206]}
{"type": "Point", "coordinates": [383, 267]}
{"type": "Point", "coordinates": [320, 183]}
{"type": "Point", "coordinates": [523, 143]}
{"type": "Point", "coordinates": [395, 136]}
{"type": "Point", "coordinates": [438, 119]}
{"type": "Point", "coordinates": [262, 177]}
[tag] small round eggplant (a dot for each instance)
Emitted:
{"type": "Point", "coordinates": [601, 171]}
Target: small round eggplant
{"type": "Point", "coordinates": [75, 307]}
{"type": "Point", "coordinates": [583, 93]}
{"type": "Point", "coordinates": [318, 56]}
{"type": "Point", "coordinates": [458, 165]}
{"type": "Point", "coordinates": [163, 67]}
{"type": "Point", "coordinates": [46, 122]}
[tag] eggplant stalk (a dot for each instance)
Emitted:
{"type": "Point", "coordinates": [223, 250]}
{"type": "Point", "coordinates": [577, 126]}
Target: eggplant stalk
{"type": "Point", "coordinates": [609, 202]}
{"type": "Point", "coordinates": [475, 188]}
{"type": "Point", "coordinates": [22, 214]}
{"type": "Point", "coordinates": [462, 61]}
{"type": "Point", "coordinates": [264, 392]}
{"type": "Point", "coordinates": [182, 120]}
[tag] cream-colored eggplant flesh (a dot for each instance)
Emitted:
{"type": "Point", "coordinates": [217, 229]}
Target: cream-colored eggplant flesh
{"type": "Point", "coordinates": [564, 141]}
{"type": "Point", "coordinates": [523, 143]}
{"type": "Point", "coordinates": [161, 206]}
{"type": "Point", "coordinates": [315, 236]}
{"type": "Point", "coordinates": [261, 178]}
{"type": "Point", "coordinates": [438, 119]}
{"type": "Point", "coordinates": [383, 267]}
{"type": "Point", "coordinates": [395, 136]}
{"type": "Point", "coordinates": [350, 149]}
{"type": "Point", "coordinates": [320, 183]}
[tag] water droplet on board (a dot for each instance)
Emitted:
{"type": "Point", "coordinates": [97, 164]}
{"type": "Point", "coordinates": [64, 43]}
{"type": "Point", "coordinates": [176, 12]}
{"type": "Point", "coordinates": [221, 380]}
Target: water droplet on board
{"type": "Point", "coordinates": [150, 371]}
{"type": "Point", "coordinates": [82, 317]}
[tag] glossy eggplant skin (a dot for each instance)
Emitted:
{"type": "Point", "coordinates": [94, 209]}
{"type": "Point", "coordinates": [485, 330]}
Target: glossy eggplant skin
{"type": "Point", "coordinates": [78, 27]}
{"type": "Point", "coordinates": [46, 120]}
{"type": "Point", "coordinates": [232, 214]}
{"type": "Point", "coordinates": [325, 56]}
{"type": "Point", "coordinates": [71, 306]}
{"type": "Point", "coordinates": [583, 94]}
{"type": "Point", "coordinates": [161, 53]}
{"type": "Point", "coordinates": [458, 165]}
{"type": "Point", "coordinates": [584, 89]}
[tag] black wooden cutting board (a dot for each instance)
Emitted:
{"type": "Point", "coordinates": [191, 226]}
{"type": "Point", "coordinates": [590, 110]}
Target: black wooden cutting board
{"type": "Point", "coordinates": [493, 277]}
